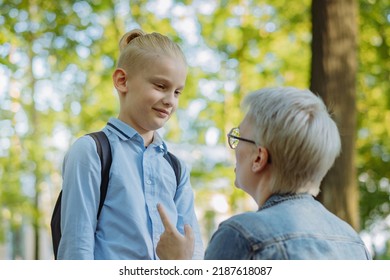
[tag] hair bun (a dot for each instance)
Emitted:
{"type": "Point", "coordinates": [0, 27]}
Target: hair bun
{"type": "Point", "coordinates": [128, 37]}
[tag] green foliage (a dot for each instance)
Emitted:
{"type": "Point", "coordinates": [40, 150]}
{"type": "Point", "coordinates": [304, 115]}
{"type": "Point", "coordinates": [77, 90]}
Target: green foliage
{"type": "Point", "coordinates": [47, 57]}
{"type": "Point", "coordinates": [373, 160]}
{"type": "Point", "coordinates": [56, 60]}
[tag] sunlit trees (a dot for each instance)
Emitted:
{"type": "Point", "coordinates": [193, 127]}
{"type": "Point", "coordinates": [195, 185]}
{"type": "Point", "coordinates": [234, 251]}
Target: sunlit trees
{"type": "Point", "coordinates": [56, 60]}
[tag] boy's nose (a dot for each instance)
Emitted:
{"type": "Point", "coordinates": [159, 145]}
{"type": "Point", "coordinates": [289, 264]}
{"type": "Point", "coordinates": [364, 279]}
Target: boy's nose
{"type": "Point", "coordinates": [169, 98]}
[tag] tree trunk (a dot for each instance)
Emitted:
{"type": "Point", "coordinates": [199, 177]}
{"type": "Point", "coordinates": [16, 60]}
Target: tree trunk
{"type": "Point", "coordinates": [333, 77]}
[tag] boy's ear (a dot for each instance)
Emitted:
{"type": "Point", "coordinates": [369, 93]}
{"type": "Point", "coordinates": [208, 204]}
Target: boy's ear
{"type": "Point", "coordinates": [119, 78]}
{"type": "Point", "coordinates": [261, 159]}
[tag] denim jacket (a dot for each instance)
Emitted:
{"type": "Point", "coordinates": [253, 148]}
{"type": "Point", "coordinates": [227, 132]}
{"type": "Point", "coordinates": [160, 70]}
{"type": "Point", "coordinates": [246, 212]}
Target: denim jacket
{"type": "Point", "coordinates": [287, 227]}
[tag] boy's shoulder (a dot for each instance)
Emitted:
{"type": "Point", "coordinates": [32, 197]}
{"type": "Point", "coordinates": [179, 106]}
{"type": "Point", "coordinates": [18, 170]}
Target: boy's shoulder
{"type": "Point", "coordinates": [83, 147]}
{"type": "Point", "coordinates": [83, 142]}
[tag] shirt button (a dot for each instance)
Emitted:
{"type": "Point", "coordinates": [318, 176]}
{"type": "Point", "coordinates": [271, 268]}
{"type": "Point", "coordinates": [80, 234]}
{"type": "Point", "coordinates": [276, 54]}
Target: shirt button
{"type": "Point", "coordinates": [149, 182]}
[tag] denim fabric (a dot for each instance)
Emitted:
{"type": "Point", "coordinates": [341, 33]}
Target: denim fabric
{"type": "Point", "coordinates": [287, 227]}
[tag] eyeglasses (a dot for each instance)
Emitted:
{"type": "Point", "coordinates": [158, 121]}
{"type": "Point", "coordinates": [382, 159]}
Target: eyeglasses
{"type": "Point", "coordinates": [234, 138]}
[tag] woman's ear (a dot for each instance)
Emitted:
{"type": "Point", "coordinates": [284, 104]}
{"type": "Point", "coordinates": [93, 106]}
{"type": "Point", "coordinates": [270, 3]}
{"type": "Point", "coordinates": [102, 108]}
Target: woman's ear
{"type": "Point", "coordinates": [119, 78]}
{"type": "Point", "coordinates": [261, 159]}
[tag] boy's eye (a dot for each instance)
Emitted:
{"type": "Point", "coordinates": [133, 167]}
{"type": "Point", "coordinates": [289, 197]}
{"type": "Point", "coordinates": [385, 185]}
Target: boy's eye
{"type": "Point", "coordinates": [160, 86]}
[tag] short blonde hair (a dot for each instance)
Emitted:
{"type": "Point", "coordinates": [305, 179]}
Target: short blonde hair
{"type": "Point", "coordinates": [302, 139]}
{"type": "Point", "coordinates": [136, 46]}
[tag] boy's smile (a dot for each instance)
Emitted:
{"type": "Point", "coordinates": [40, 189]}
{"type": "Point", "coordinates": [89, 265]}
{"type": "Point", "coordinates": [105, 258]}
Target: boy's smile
{"type": "Point", "coordinates": [163, 113]}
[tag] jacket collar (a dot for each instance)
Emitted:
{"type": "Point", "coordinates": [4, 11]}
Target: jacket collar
{"type": "Point", "coordinates": [279, 198]}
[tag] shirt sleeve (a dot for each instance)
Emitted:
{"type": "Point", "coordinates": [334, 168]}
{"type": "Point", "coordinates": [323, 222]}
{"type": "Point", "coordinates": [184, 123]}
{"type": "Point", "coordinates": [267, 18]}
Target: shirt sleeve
{"type": "Point", "coordinates": [184, 200]}
{"type": "Point", "coordinates": [227, 243]}
{"type": "Point", "coordinates": [80, 200]}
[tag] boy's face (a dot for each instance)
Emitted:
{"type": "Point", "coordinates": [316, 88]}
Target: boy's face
{"type": "Point", "coordinates": [153, 93]}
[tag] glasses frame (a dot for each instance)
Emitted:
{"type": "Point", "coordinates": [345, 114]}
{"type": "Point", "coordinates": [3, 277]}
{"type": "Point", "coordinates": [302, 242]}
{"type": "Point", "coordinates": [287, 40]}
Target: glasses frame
{"type": "Point", "coordinates": [230, 135]}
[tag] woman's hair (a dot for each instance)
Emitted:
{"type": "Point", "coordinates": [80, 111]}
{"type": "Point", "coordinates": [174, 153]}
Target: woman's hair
{"type": "Point", "coordinates": [136, 46]}
{"type": "Point", "coordinates": [302, 139]}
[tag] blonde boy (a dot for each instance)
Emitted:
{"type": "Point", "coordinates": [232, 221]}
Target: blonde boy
{"type": "Point", "coordinates": [149, 78]}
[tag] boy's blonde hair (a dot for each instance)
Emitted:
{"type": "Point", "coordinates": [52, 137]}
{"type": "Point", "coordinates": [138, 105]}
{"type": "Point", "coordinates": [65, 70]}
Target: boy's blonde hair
{"type": "Point", "coordinates": [301, 137]}
{"type": "Point", "coordinates": [136, 46]}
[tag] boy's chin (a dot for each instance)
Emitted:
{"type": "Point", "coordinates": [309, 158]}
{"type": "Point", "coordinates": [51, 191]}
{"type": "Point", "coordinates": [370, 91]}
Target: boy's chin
{"type": "Point", "coordinates": [158, 126]}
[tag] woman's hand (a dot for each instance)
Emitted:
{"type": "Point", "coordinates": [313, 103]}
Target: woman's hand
{"type": "Point", "coordinates": [172, 244]}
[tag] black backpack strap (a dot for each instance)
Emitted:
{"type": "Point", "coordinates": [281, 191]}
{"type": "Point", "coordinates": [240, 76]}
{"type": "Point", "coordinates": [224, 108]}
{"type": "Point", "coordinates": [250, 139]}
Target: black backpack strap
{"type": "Point", "coordinates": [104, 151]}
{"type": "Point", "coordinates": [55, 225]}
{"type": "Point", "coordinates": [175, 163]}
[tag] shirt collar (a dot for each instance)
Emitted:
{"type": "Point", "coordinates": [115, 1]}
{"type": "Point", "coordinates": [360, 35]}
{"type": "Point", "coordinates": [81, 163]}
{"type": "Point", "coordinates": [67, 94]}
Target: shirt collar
{"type": "Point", "coordinates": [126, 132]}
{"type": "Point", "coordinates": [121, 129]}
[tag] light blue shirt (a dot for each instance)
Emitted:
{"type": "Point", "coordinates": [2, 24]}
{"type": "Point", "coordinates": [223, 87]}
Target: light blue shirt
{"type": "Point", "coordinates": [287, 227]}
{"type": "Point", "coordinates": [129, 226]}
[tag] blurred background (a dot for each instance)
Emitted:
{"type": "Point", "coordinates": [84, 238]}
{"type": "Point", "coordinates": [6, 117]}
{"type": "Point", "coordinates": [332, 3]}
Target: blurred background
{"type": "Point", "coordinates": [56, 61]}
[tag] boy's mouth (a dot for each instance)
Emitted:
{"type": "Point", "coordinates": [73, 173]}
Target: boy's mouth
{"type": "Point", "coordinates": [162, 112]}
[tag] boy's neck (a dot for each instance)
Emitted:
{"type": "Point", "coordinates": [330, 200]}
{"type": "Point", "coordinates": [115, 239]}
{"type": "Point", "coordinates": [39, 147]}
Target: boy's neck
{"type": "Point", "coordinates": [148, 138]}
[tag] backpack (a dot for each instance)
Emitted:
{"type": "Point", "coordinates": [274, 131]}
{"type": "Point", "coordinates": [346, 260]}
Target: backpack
{"type": "Point", "coordinates": [104, 151]}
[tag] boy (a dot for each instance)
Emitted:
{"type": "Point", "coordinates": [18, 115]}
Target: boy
{"type": "Point", "coordinates": [149, 78]}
